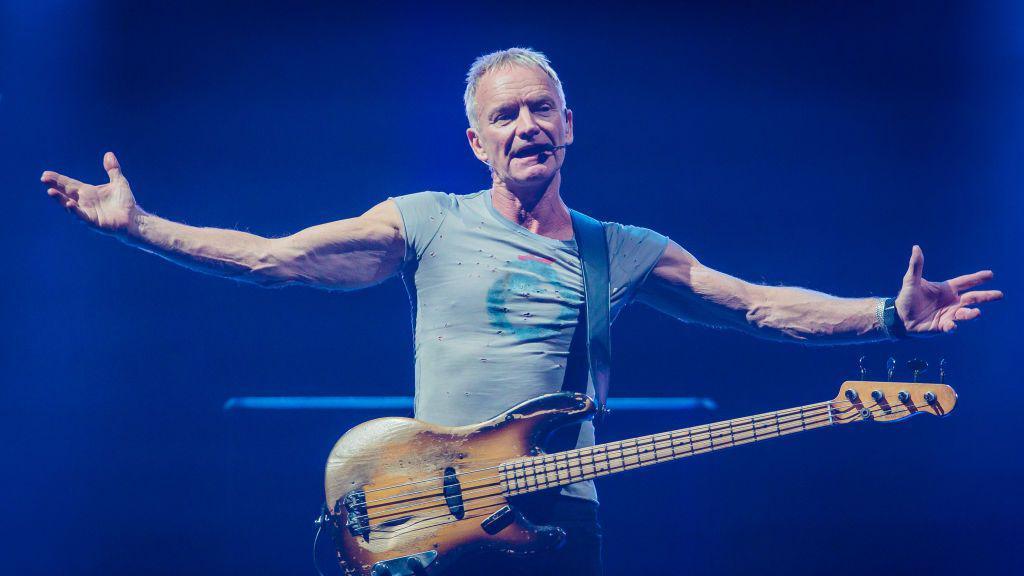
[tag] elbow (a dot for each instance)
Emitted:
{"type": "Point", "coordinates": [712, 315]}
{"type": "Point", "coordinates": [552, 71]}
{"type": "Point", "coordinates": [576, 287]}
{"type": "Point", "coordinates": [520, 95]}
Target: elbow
{"type": "Point", "coordinates": [270, 265]}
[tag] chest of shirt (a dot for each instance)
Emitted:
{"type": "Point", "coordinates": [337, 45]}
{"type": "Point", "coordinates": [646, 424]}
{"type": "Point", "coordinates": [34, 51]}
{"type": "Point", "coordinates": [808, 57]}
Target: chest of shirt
{"type": "Point", "coordinates": [478, 276]}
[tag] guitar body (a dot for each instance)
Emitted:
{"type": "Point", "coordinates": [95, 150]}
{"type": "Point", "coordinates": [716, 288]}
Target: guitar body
{"type": "Point", "coordinates": [409, 497]}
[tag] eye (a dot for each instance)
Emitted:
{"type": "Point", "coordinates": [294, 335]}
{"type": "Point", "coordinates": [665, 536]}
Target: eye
{"type": "Point", "coordinates": [543, 109]}
{"type": "Point", "coordinates": [503, 118]}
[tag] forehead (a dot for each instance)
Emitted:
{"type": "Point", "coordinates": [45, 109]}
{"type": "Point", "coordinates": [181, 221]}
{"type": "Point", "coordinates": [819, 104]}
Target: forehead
{"type": "Point", "coordinates": [512, 83]}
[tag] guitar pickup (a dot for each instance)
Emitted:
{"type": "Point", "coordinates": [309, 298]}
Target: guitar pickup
{"type": "Point", "coordinates": [499, 520]}
{"type": "Point", "coordinates": [356, 519]}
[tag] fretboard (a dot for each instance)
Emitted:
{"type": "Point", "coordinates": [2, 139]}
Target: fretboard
{"type": "Point", "coordinates": [562, 468]}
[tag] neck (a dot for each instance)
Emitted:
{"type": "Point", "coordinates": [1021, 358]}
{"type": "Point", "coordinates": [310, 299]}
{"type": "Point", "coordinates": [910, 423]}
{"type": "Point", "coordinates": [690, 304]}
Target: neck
{"type": "Point", "coordinates": [562, 468]}
{"type": "Point", "coordinates": [539, 209]}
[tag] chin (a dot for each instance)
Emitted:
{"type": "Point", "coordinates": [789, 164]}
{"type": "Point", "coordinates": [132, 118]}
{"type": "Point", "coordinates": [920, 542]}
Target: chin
{"type": "Point", "coordinates": [532, 175]}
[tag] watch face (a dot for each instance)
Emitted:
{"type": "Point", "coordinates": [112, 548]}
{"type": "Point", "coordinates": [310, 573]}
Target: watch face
{"type": "Point", "coordinates": [890, 314]}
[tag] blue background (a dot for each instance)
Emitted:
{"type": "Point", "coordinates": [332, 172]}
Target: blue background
{"type": "Point", "coordinates": [786, 143]}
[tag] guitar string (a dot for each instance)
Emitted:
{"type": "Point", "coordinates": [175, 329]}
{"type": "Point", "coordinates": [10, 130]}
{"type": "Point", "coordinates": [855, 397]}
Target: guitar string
{"type": "Point", "coordinates": [683, 443]}
{"type": "Point", "coordinates": [501, 497]}
{"type": "Point", "coordinates": [561, 461]}
{"type": "Point", "coordinates": [564, 463]}
{"type": "Point", "coordinates": [592, 450]}
{"type": "Point", "coordinates": [757, 417]}
{"type": "Point", "coordinates": [494, 499]}
{"type": "Point", "coordinates": [492, 467]}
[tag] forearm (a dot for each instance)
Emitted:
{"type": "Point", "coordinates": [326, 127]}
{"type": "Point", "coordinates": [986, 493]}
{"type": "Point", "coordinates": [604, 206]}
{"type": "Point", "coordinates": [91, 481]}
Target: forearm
{"type": "Point", "coordinates": [798, 314]}
{"type": "Point", "coordinates": [684, 288]}
{"type": "Point", "coordinates": [220, 252]}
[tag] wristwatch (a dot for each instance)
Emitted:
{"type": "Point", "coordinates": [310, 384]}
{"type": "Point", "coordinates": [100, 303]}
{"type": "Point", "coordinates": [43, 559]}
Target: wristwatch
{"type": "Point", "coordinates": [889, 319]}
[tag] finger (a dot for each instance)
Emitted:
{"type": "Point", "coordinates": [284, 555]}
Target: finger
{"type": "Point", "coordinates": [72, 206]}
{"type": "Point", "coordinates": [59, 181]}
{"type": "Point", "coordinates": [966, 314]}
{"type": "Point", "coordinates": [947, 326]}
{"type": "Point", "coordinates": [967, 281]}
{"type": "Point", "coordinates": [57, 195]}
{"type": "Point", "coordinates": [916, 266]}
{"type": "Point", "coordinates": [979, 296]}
{"type": "Point", "coordinates": [112, 166]}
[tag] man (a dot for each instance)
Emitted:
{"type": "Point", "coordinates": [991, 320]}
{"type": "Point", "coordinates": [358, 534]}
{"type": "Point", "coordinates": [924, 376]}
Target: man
{"type": "Point", "coordinates": [496, 277]}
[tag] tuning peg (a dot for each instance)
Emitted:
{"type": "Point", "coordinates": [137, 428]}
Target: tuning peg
{"type": "Point", "coordinates": [942, 371]}
{"type": "Point", "coordinates": [890, 367]}
{"type": "Point", "coordinates": [917, 366]}
{"type": "Point", "coordinates": [863, 368]}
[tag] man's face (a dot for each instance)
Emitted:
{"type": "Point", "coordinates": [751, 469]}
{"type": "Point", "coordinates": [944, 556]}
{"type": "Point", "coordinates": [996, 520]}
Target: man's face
{"type": "Point", "coordinates": [519, 114]}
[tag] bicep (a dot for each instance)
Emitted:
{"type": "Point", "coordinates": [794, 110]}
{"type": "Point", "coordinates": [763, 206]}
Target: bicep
{"type": "Point", "coordinates": [682, 287]}
{"type": "Point", "coordinates": [344, 254]}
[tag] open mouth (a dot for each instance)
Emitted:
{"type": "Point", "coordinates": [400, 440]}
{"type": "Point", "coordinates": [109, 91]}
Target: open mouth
{"type": "Point", "coordinates": [531, 150]}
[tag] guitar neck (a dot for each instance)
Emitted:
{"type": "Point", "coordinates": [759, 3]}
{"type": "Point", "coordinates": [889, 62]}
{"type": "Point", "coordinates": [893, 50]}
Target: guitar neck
{"type": "Point", "coordinates": [562, 468]}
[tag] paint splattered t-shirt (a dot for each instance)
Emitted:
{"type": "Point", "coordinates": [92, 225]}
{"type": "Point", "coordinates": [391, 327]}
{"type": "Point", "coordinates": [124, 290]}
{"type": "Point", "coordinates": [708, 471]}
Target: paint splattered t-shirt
{"type": "Point", "coordinates": [495, 306]}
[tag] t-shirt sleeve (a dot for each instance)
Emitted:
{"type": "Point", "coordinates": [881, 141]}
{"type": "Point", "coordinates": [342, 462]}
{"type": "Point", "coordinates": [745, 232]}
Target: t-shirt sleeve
{"type": "Point", "coordinates": [422, 215]}
{"type": "Point", "coordinates": [632, 254]}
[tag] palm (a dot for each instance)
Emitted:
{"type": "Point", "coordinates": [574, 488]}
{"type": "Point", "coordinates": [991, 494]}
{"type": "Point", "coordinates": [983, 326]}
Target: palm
{"type": "Point", "coordinates": [108, 207]}
{"type": "Point", "coordinates": [937, 306]}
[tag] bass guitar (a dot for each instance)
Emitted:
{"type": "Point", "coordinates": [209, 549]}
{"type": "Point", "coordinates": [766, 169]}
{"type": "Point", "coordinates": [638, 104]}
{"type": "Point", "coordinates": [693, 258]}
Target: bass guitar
{"type": "Point", "coordinates": [411, 498]}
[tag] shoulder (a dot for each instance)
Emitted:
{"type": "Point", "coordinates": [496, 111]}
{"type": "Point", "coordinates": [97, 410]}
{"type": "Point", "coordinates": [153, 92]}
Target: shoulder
{"type": "Point", "coordinates": [625, 240]}
{"type": "Point", "coordinates": [423, 214]}
{"type": "Point", "coordinates": [422, 200]}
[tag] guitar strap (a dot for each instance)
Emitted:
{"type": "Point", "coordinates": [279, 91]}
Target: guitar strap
{"type": "Point", "coordinates": [590, 350]}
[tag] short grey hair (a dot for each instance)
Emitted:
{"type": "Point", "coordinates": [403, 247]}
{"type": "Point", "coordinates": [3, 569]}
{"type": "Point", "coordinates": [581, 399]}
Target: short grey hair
{"type": "Point", "coordinates": [502, 59]}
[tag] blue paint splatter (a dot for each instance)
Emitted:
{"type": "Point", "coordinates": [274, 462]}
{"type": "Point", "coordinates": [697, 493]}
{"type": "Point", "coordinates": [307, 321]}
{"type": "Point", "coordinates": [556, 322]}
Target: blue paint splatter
{"type": "Point", "coordinates": [509, 305]}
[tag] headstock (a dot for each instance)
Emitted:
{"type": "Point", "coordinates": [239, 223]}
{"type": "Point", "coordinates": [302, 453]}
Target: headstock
{"type": "Point", "coordinates": [890, 401]}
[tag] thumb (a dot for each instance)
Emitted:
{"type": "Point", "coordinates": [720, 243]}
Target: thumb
{"type": "Point", "coordinates": [916, 266]}
{"type": "Point", "coordinates": [111, 165]}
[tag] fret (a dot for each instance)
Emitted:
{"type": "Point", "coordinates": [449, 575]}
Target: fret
{"type": "Point", "coordinates": [559, 469]}
{"type": "Point", "coordinates": [619, 457]}
{"type": "Point", "coordinates": [506, 482]}
{"type": "Point", "coordinates": [515, 475]}
{"type": "Point", "coordinates": [598, 450]}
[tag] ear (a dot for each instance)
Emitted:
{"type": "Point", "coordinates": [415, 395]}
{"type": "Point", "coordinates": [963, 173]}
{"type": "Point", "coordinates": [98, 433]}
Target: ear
{"type": "Point", "coordinates": [568, 126]}
{"type": "Point", "coordinates": [476, 145]}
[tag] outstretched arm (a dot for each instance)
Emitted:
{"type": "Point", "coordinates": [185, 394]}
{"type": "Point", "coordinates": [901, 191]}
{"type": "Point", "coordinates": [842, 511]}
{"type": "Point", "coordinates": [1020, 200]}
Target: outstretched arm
{"type": "Point", "coordinates": [681, 286]}
{"type": "Point", "coordinates": [346, 254]}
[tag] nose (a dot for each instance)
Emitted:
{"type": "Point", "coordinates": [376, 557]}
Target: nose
{"type": "Point", "coordinates": [526, 127]}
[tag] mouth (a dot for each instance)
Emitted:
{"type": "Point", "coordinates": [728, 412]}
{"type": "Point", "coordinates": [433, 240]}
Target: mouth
{"type": "Point", "coordinates": [532, 150]}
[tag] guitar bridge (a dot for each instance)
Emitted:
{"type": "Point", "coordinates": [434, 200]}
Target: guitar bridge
{"type": "Point", "coordinates": [356, 521]}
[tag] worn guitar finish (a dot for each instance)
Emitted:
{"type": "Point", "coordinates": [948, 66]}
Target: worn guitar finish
{"type": "Point", "coordinates": [387, 459]}
{"type": "Point", "coordinates": [407, 497]}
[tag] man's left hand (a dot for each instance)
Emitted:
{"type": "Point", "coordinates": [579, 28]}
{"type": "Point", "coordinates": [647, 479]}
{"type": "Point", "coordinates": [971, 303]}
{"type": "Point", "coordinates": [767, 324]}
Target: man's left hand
{"type": "Point", "coordinates": [929, 307]}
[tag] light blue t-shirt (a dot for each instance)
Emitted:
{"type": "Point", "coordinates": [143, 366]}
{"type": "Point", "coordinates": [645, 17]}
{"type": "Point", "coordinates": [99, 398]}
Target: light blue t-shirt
{"type": "Point", "coordinates": [495, 306]}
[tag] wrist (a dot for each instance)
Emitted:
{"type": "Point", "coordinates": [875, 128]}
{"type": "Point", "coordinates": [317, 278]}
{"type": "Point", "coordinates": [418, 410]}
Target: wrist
{"type": "Point", "coordinates": [138, 219]}
{"type": "Point", "coordinates": [889, 320]}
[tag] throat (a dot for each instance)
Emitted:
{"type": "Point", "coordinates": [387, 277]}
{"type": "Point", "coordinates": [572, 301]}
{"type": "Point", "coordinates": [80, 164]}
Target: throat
{"type": "Point", "coordinates": [544, 215]}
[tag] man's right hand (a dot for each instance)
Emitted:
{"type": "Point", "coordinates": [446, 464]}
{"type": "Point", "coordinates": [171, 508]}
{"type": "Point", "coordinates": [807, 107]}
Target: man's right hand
{"type": "Point", "coordinates": [108, 207]}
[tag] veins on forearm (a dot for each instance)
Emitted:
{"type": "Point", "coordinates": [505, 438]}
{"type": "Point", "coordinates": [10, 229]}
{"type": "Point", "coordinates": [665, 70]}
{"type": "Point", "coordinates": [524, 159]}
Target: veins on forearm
{"type": "Point", "coordinates": [224, 253]}
{"type": "Point", "coordinates": [812, 317]}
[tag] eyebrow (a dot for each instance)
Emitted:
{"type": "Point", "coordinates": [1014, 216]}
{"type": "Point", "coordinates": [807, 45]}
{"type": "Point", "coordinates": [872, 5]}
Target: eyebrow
{"type": "Point", "coordinates": [505, 106]}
